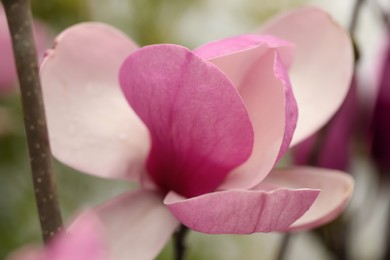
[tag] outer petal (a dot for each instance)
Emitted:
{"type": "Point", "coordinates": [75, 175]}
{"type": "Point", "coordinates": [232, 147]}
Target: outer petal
{"type": "Point", "coordinates": [137, 225]}
{"type": "Point", "coordinates": [255, 64]}
{"type": "Point", "coordinates": [336, 188]}
{"type": "Point", "coordinates": [335, 145]}
{"type": "Point", "coordinates": [241, 211]}
{"type": "Point", "coordinates": [91, 126]}
{"type": "Point", "coordinates": [199, 125]}
{"type": "Point", "coordinates": [322, 68]}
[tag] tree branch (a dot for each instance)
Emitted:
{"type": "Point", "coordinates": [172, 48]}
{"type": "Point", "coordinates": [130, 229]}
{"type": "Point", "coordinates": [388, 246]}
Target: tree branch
{"type": "Point", "coordinates": [20, 24]}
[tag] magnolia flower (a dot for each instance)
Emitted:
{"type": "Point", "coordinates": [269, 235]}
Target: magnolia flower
{"type": "Point", "coordinates": [84, 241]}
{"type": "Point", "coordinates": [200, 130]}
{"type": "Point", "coordinates": [8, 77]}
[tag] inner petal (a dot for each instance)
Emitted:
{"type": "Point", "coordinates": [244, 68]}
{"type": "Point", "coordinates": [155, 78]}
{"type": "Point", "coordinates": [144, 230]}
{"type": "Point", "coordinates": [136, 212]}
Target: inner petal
{"type": "Point", "coordinates": [199, 126]}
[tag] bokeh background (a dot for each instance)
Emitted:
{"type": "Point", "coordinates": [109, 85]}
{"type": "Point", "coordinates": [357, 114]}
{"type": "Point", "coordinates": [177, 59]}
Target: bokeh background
{"type": "Point", "coordinates": [359, 234]}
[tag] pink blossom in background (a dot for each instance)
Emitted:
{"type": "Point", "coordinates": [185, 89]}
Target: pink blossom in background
{"type": "Point", "coordinates": [84, 241]}
{"type": "Point", "coordinates": [200, 130]}
{"type": "Point", "coordinates": [380, 125]}
{"type": "Point", "coordinates": [331, 147]}
{"type": "Point", "coordinates": [8, 78]}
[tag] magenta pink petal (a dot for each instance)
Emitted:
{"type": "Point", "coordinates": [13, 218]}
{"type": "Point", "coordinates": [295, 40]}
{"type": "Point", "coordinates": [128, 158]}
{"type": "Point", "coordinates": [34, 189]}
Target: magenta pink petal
{"type": "Point", "coordinates": [91, 126]}
{"type": "Point", "coordinates": [242, 211]}
{"type": "Point", "coordinates": [322, 67]}
{"type": "Point", "coordinates": [336, 189]}
{"type": "Point", "coordinates": [137, 225]}
{"type": "Point", "coordinates": [199, 125]}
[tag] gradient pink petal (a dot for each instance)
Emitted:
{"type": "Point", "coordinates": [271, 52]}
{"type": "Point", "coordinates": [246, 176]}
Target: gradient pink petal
{"type": "Point", "coordinates": [336, 188]}
{"type": "Point", "coordinates": [137, 225]}
{"type": "Point", "coordinates": [256, 65]}
{"type": "Point", "coordinates": [241, 211]}
{"type": "Point", "coordinates": [91, 126]}
{"type": "Point", "coordinates": [322, 68]}
{"type": "Point", "coordinates": [199, 125]}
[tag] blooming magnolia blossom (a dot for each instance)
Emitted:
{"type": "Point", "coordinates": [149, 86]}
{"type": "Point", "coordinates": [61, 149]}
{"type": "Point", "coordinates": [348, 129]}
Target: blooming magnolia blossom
{"type": "Point", "coordinates": [84, 241]}
{"type": "Point", "coordinates": [8, 77]}
{"type": "Point", "coordinates": [200, 130]}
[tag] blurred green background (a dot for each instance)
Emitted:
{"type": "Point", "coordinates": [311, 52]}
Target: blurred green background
{"type": "Point", "coordinates": [189, 23]}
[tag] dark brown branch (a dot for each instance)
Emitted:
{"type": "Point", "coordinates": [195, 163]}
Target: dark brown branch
{"type": "Point", "coordinates": [20, 24]}
{"type": "Point", "coordinates": [284, 247]}
{"type": "Point", "coordinates": [355, 16]}
{"type": "Point", "coordinates": [179, 242]}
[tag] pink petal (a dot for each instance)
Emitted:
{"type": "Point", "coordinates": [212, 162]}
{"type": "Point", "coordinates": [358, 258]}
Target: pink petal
{"type": "Point", "coordinates": [8, 78]}
{"type": "Point", "coordinates": [27, 253]}
{"type": "Point", "coordinates": [323, 65]}
{"type": "Point", "coordinates": [241, 211]}
{"type": "Point", "coordinates": [199, 125]}
{"type": "Point", "coordinates": [91, 126]}
{"type": "Point", "coordinates": [7, 64]}
{"type": "Point", "coordinates": [333, 149]}
{"type": "Point", "coordinates": [137, 225]}
{"type": "Point", "coordinates": [225, 53]}
{"type": "Point", "coordinates": [255, 65]}
{"type": "Point", "coordinates": [83, 241]}
{"type": "Point", "coordinates": [336, 188]}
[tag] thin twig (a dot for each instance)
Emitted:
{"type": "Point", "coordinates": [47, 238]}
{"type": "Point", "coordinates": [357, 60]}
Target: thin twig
{"type": "Point", "coordinates": [19, 19]}
{"type": "Point", "coordinates": [179, 242]}
{"type": "Point", "coordinates": [284, 247]}
{"type": "Point", "coordinates": [355, 16]}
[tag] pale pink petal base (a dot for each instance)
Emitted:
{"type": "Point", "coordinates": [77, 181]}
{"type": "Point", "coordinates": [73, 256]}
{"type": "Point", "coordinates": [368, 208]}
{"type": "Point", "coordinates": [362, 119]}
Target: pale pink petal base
{"type": "Point", "coordinates": [336, 189]}
{"type": "Point", "coordinates": [91, 126]}
{"type": "Point", "coordinates": [241, 211]}
{"type": "Point", "coordinates": [322, 68]}
{"type": "Point", "coordinates": [199, 125]}
{"type": "Point", "coordinates": [137, 225]}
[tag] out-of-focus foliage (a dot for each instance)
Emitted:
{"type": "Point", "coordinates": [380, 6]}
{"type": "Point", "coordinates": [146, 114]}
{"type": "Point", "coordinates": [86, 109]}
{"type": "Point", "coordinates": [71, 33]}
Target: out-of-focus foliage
{"type": "Point", "coordinates": [59, 13]}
